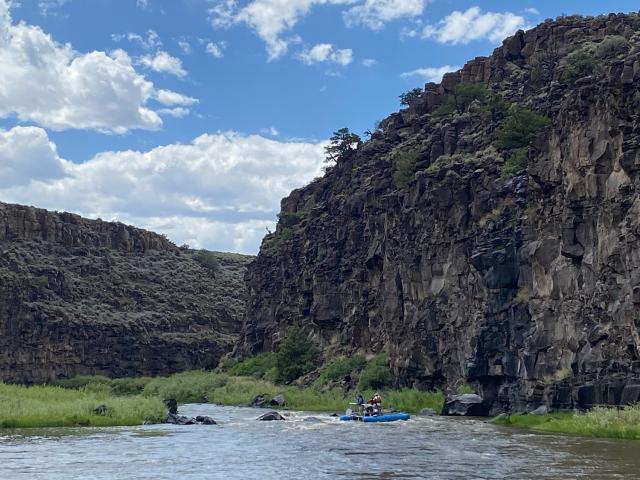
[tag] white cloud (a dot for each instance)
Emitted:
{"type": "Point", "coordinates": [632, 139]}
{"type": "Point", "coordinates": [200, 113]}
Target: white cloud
{"type": "Point", "coordinates": [177, 112]}
{"type": "Point", "coordinates": [219, 191]}
{"type": "Point", "coordinates": [324, 52]}
{"type": "Point", "coordinates": [185, 46]}
{"type": "Point", "coordinates": [215, 49]}
{"type": "Point", "coordinates": [27, 155]}
{"type": "Point", "coordinates": [472, 24]}
{"type": "Point", "coordinates": [169, 97]}
{"type": "Point", "coordinates": [223, 13]}
{"type": "Point", "coordinates": [53, 85]}
{"type": "Point", "coordinates": [431, 74]}
{"type": "Point", "coordinates": [369, 62]}
{"type": "Point", "coordinates": [376, 13]}
{"type": "Point", "coordinates": [151, 42]}
{"type": "Point", "coordinates": [45, 6]}
{"type": "Point", "coordinates": [533, 11]}
{"type": "Point", "coordinates": [270, 131]}
{"type": "Point", "coordinates": [142, 3]}
{"type": "Point", "coordinates": [162, 62]}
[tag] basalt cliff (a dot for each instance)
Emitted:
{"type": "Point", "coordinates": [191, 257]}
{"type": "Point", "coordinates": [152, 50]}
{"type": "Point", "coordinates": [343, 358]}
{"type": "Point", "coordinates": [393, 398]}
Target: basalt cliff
{"type": "Point", "coordinates": [82, 296]}
{"type": "Point", "coordinates": [516, 270]}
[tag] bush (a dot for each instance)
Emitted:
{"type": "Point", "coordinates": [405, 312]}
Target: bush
{"type": "Point", "coordinates": [411, 97]}
{"type": "Point", "coordinates": [516, 162]}
{"type": "Point", "coordinates": [338, 369]}
{"type": "Point", "coordinates": [255, 367]}
{"type": "Point", "coordinates": [296, 355]}
{"type": "Point", "coordinates": [580, 63]}
{"type": "Point", "coordinates": [463, 95]}
{"type": "Point", "coordinates": [186, 387]}
{"type": "Point", "coordinates": [519, 128]}
{"type": "Point", "coordinates": [612, 45]}
{"type": "Point", "coordinates": [376, 374]}
{"type": "Point", "coordinates": [208, 260]}
{"type": "Point", "coordinates": [405, 168]}
{"type": "Point", "coordinates": [341, 145]}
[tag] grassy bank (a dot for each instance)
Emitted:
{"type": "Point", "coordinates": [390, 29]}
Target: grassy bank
{"type": "Point", "coordinates": [598, 422]}
{"type": "Point", "coordinates": [48, 406]}
{"type": "Point", "coordinates": [224, 389]}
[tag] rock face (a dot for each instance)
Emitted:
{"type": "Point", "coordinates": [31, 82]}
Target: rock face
{"type": "Point", "coordinates": [526, 286]}
{"type": "Point", "coordinates": [467, 405]}
{"type": "Point", "coordinates": [82, 296]}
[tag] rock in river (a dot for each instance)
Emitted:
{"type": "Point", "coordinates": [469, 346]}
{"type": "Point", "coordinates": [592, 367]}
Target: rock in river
{"type": "Point", "coordinates": [469, 404]}
{"type": "Point", "coordinates": [270, 416]}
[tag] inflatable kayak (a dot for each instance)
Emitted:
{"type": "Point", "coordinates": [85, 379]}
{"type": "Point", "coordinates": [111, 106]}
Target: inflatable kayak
{"type": "Point", "coordinates": [385, 417]}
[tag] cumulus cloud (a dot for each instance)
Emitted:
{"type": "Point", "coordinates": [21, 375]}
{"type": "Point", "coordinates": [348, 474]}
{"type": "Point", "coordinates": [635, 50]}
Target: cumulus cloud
{"type": "Point", "coordinates": [376, 13]}
{"type": "Point", "coordinates": [169, 97]}
{"type": "Point", "coordinates": [215, 49]}
{"type": "Point", "coordinates": [472, 24]}
{"type": "Point", "coordinates": [272, 19]}
{"type": "Point", "coordinates": [53, 85]}
{"type": "Point", "coordinates": [162, 62]}
{"type": "Point", "coordinates": [219, 191]}
{"type": "Point", "coordinates": [431, 74]}
{"type": "Point", "coordinates": [325, 53]}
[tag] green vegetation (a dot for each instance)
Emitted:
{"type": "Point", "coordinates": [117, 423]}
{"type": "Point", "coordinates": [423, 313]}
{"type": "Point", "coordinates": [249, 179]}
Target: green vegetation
{"type": "Point", "coordinates": [463, 95]}
{"type": "Point", "coordinates": [113, 386]}
{"type": "Point", "coordinates": [411, 97]}
{"type": "Point", "coordinates": [516, 162]}
{"type": "Point", "coordinates": [262, 365]}
{"type": "Point", "coordinates": [208, 260]}
{"type": "Point", "coordinates": [519, 128]}
{"type": "Point", "coordinates": [598, 422]}
{"type": "Point", "coordinates": [376, 374]}
{"type": "Point", "coordinates": [405, 168]}
{"type": "Point", "coordinates": [49, 406]}
{"type": "Point", "coordinates": [296, 355]}
{"type": "Point", "coordinates": [341, 145]}
{"type": "Point", "coordinates": [341, 367]}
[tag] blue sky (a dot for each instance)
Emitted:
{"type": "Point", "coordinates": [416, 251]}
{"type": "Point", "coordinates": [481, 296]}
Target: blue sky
{"type": "Point", "coordinates": [194, 117]}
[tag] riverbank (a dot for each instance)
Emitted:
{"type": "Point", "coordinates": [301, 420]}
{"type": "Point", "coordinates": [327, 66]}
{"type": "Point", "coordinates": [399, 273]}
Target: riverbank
{"type": "Point", "coordinates": [224, 389]}
{"type": "Point", "coordinates": [49, 406]}
{"type": "Point", "coordinates": [602, 422]}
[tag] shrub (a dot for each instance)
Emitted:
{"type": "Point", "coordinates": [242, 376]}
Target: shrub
{"type": "Point", "coordinates": [519, 128]}
{"type": "Point", "coordinates": [296, 355]}
{"type": "Point", "coordinates": [341, 145]}
{"type": "Point", "coordinates": [411, 97]}
{"type": "Point", "coordinates": [612, 45]}
{"type": "Point", "coordinates": [256, 366]}
{"type": "Point", "coordinates": [580, 63]}
{"type": "Point", "coordinates": [405, 168]}
{"type": "Point", "coordinates": [208, 260]}
{"type": "Point", "coordinates": [338, 369]}
{"type": "Point", "coordinates": [516, 162]}
{"type": "Point", "coordinates": [376, 374]}
{"type": "Point", "coordinates": [463, 95]}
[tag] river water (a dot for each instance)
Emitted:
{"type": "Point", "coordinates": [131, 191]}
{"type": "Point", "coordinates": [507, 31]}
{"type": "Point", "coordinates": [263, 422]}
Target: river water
{"type": "Point", "coordinates": [309, 446]}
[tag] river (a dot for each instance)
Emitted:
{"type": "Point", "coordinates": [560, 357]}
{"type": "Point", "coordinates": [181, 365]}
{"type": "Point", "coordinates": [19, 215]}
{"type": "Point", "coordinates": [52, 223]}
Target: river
{"type": "Point", "coordinates": [309, 446]}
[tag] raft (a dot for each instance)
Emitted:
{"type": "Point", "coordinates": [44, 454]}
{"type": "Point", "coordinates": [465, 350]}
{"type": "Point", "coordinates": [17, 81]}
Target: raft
{"type": "Point", "coordinates": [386, 417]}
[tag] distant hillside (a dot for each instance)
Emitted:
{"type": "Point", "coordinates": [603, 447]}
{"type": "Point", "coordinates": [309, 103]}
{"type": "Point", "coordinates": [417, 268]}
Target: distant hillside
{"type": "Point", "coordinates": [82, 296]}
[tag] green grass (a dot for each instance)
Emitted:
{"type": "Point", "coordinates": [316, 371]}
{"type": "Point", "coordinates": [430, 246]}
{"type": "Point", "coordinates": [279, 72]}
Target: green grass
{"type": "Point", "coordinates": [50, 406]}
{"type": "Point", "coordinates": [598, 422]}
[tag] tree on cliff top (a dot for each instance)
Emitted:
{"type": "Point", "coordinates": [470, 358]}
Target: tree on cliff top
{"type": "Point", "coordinates": [341, 144]}
{"type": "Point", "coordinates": [411, 97]}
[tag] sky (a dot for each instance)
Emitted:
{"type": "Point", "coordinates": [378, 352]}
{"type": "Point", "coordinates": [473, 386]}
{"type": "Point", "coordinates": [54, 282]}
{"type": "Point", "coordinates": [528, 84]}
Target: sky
{"type": "Point", "coordinates": [193, 118]}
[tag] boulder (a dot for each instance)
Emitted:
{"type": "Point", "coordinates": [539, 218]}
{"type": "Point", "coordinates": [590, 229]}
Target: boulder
{"type": "Point", "coordinates": [101, 410]}
{"type": "Point", "coordinates": [172, 405]}
{"type": "Point", "coordinates": [467, 405]}
{"type": "Point", "coordinates": [205, 420]}
{"type": "Point", "coordinates": [270, 416]}
{"type": "Point", "coordinates": [259, 401]}
{"type": "Point", "coordinates": [427, 412]}
{"type": "Point", "coordinates": [277, 401]}
{"type": "Point", "coordinates": [179, 420]}
{"type": "Point", "coordinates": [542, 410]}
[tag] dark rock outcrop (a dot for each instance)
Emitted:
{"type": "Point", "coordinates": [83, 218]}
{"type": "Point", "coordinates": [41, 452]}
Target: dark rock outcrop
{"type": "Point", "coordinates": [526, 286]}
{"type": "Point", "coordinates": [270, 416]}
{"type": "Point", "coordinates": [465, 405]}
{"type": "Point", "coordinates": [82, 296]}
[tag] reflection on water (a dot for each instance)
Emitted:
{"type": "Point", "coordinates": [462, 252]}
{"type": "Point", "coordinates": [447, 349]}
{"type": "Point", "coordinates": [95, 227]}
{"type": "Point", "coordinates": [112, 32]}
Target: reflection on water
{"type": "Point", "coordinates": [242, 448]}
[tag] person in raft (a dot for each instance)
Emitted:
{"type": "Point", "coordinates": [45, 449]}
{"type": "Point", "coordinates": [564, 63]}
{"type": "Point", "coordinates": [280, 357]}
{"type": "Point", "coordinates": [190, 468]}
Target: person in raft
{"type": "Point", "coordinates": [360, 399]}
{"type": "Point", "coordinates": [376, 401]}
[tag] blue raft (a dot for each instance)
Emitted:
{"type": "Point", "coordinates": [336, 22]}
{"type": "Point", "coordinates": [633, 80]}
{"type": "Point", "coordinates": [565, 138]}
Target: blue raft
{"type": "Point", "coordinates": [386, 417]}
